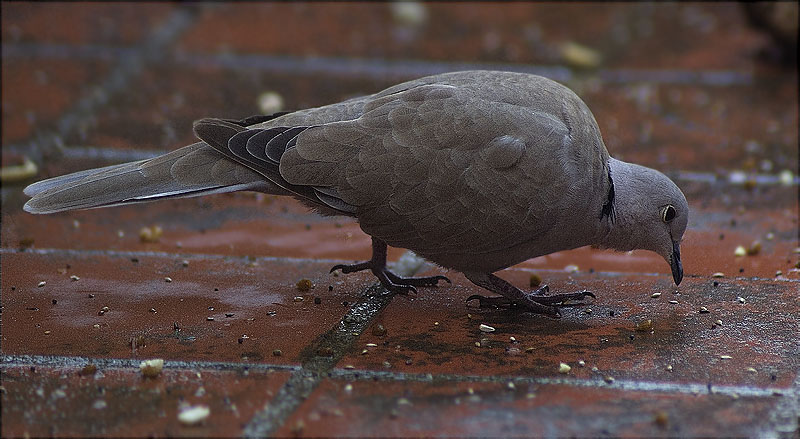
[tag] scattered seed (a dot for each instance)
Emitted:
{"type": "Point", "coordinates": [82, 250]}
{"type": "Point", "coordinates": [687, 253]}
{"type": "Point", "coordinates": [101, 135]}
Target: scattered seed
{"type": "Point", "coordinates": [150, 234]}
{"type": "Point", "coordinates": [277, 352]}
{"type": "Point", "coordinates": [512, 339]}
{"type": "Point", "coordinates": [725, 357]}
{"type": "Point", "coordinates": [486, 328]}
{"type": "Point", "coordinates": [511, 385]}
{"type": "Point", "coordinates": [210, 319]}
{"type": "Point", "coordinates": [581, 363]}
{"type": "Point", "coordinates": [661, 419]}
{"type": "Point", "coordinates": [718, 274]}
{"type": "Point", "coordinates": [96, 326]}
{"type": "Point", "coordinates": [754, 248]}
{"type": "Point", "coordinates": [740, 251]}
{"type": "Point", "coordinates": [41, 284]}
{"type": "Point", "coordinates": [378, 330]}
{"type": "Point", "coordinates": [674, 302]}
{"type": "Point", "coordinates": [74, 278]}
{"type": "Point", "coordinates": [153, 310]}
{"type": "Point", "coordinates": [609, 379]}
{"type": "Point", "coordinates": [564, 368]}
{"type": "Point", "coordinates": [304, 285]}
{"type": "Point", "coordinates": [587, 311]}
{"type": "Point", "coordinates": [47, 332]}
{"type": "Point", "coordinates": [669, 368]}
{"type": "Point", "coordinates": [89, 369]}
{"type": "Point", "coordinates": [751, 370]}
{"type": "Point", "coordinates": [718, 322]}
{"type": "Point", "coordinates": [655, 295]}
{"type": "Point", "coordinates": [151, 368]}
{"type": "Point", "coordinates": [298, 298]}
{"type": "Point", "coordinates": [571, 268]}
{"type": "Point", "coordinates": [372, 345]}
{"type": "Point", "coordinates": [185, 263]}
{"type": "Point", "coordinates": [529, 350]}
{"type": "Point", "coordinates": [228, 314]}
{"type": "Point", "coordinates": [348, 387]}
{"type": "Point", "coordinates": [778, 273]}
{"type": "Point", "coordinates": [704, 310]}
{"type": "Point", "coordinates": [595, 369]}
{"type": "Point", "coordinates": [644, 326]}
{"type": "Point", "coordinates": [194, 414]}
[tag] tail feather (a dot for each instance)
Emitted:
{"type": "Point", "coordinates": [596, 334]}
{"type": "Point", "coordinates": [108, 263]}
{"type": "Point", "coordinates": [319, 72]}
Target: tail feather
{"type": "Point", "coordinates": [173, 175]}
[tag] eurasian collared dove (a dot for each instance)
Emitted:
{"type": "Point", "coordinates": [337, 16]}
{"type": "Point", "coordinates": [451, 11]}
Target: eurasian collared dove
{"type": "Point", "coordinates": [475, 171]}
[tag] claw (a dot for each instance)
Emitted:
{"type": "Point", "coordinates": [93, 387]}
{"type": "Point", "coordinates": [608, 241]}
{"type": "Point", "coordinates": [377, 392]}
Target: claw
{"type": "Point", "coordinates": [389, 280]}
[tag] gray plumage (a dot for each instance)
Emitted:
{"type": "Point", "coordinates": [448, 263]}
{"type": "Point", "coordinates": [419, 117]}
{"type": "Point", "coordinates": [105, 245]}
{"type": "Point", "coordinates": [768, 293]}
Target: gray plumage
{"type": "Point", "coordinates": [475, 171]}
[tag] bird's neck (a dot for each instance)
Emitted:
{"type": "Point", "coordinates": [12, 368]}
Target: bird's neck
{"type": "Point", "coordinates": [617, 228]}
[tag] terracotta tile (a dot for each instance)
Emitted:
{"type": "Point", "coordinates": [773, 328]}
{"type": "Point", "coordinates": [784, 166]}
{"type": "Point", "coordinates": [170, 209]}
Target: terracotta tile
{"type": "Point", "coordinates": [159, 111]}
{"type": "Point", "coordinates": [37, 91]}
{"type": "Point", "coordinates": [229, 224]}
{"type": "Point", "coordinates": [413, 409]}
{"type": "Point", "coordinates": [624, 34]}
{"type": "Point", "coordinates": [252, 304]}
{"type": "Point", "coordinates": [437, 332]}
{"type": "Point", "coordinates": [60, 401]}
{"type": "Point", "coordinates": [80, 23]}
{"type": "Point", "coordinates": [697, 127]}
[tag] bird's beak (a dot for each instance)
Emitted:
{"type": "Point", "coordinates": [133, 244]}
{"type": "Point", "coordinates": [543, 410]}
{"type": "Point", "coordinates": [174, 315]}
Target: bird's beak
{"type": "Point", "coordinates": [675, 262]}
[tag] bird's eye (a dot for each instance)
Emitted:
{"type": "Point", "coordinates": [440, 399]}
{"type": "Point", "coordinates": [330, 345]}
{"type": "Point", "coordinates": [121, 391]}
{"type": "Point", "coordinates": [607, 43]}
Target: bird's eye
{"type": "Point", "coordinates": [668, 214]}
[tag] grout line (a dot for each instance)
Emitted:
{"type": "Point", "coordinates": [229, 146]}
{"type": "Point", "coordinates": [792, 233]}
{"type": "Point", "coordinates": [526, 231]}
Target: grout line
{"type": "Point", "coordinates": [305, 378]}
{"type": "Point", "coordinates": [379, 68]}
{"type": "Point", "coordinates": [236, 258]}
{"type": "Point", "coordinates": [128, 64]}
{"type": "Point", "coordinates": [784, 419]}
{"type": "Point", "coordinates": [627, 385]}
{"type": "Point", "coordinates": [160, 254]}
{"type": "Point", "coordinates": [320, 357]}
{"type": "Point", "coordinates": [126, 363]}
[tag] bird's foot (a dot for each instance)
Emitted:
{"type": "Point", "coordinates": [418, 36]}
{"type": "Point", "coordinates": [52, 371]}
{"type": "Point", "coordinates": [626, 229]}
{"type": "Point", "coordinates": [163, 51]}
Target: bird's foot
{"type": "Point", "coordinates": [512, 297]}
{"type": "Point", "coordinates": [389, 280]}
{"type": "Point", "coordinates": [534, 301]}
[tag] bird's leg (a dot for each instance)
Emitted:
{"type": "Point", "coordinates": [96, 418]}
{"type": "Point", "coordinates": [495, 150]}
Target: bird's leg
{"type": "Point", "coordinates": [535, 301]}
{"type": "Point", "coordinates": [389, 280]}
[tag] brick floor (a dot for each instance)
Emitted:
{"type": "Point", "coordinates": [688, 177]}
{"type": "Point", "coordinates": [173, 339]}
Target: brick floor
{"type": "Point", "coordinates": [680, 87]}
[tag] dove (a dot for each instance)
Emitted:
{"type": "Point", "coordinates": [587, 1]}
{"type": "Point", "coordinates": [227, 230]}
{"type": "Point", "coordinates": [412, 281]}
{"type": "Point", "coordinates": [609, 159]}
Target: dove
{"type": "Point", "coordinates": [475, 171]}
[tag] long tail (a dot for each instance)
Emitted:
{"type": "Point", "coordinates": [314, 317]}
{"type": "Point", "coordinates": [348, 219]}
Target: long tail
{"type": "Point", "coordinates": [190, 171]}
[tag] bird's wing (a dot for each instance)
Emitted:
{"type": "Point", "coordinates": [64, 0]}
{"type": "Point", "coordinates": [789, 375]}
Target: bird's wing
{"type": "Point", "coordinates": [439, 168]}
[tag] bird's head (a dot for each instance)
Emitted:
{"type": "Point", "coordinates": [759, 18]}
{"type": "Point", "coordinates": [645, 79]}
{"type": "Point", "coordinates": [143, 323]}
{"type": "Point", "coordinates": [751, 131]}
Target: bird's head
{"type": "Point", "coordinates": [650, 213]}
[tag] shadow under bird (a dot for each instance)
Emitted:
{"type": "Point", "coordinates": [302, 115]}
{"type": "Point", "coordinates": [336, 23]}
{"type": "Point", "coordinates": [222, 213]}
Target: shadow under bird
{"type": "Point", "coordinates": [475, 171]}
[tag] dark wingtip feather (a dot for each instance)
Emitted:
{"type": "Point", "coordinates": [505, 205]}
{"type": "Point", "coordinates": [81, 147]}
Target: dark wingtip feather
{"type": "Point", "coordinates": [215, 132]}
